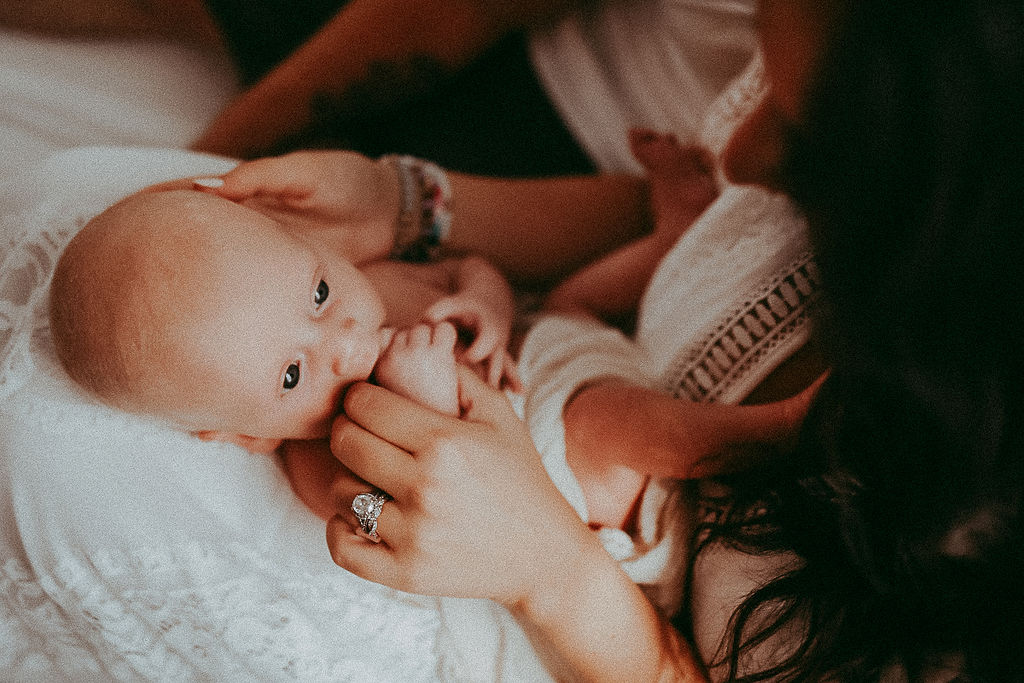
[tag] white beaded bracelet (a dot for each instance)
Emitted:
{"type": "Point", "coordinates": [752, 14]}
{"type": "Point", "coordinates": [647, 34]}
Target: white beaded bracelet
{"type": "Point", "coordinates": [425, 216]}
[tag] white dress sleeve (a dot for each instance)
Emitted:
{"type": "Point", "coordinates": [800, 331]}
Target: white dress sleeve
{"type": "Point", "coordinates": [617, 64]}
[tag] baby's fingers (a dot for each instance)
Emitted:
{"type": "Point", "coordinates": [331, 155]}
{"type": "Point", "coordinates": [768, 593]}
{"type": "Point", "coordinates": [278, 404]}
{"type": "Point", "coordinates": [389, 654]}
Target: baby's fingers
{"type": "Point", "coordinates": [510, 374]}
{"type": "Point", "coordinates": [445, 335]}
{"type": "Point", "coordinates": [495, 367]}
{"type": "Point", "coordinates": [448, 308]}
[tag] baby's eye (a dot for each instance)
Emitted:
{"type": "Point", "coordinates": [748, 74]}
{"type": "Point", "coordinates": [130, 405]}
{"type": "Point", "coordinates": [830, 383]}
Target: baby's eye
{"type": "Point", "coordinates": [320, 294]}
{"type": "Point", "coordinates": [291, 377]}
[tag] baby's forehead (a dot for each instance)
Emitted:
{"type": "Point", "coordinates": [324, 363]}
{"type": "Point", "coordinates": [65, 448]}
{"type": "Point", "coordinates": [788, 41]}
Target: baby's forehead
{"type": "Point", "coordinates": [192, 227]}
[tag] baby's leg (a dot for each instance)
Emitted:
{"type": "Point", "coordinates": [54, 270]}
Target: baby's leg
{"type": "Point", "coordinates": [681, 178]}
{"type": "Point", "coordinates": [420, 365]}
{"type": "Point", "coordinates": [611, 287]}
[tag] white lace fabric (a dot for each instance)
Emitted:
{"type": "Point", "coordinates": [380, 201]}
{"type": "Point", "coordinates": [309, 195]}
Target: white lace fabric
{"type": "Point", "coordinates": [134, 552]}
{"type": "Point", "coordinates": [213, 613]}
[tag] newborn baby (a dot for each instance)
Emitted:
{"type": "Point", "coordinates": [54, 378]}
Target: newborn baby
{"type": "Point", "coordinates": [214, 316]}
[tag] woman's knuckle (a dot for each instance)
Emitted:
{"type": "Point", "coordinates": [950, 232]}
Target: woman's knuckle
{"type": "Point", "coordinates": [357, 397]}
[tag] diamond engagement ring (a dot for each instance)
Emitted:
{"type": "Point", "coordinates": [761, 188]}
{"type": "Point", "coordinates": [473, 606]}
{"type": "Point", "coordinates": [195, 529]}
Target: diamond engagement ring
{"type": "Point", "coordinates": [367, 507]}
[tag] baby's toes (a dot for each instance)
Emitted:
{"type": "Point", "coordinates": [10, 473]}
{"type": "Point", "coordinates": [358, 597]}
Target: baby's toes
{"type": "Point", "coordinates": [400, 340]}
{"type": "Point", "coordinates": [419, 336]}
{"type": "Point", "coordinates": [445, 335]}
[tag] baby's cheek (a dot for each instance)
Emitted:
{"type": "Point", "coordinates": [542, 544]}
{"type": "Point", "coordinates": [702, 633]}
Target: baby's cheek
{"type": "Point", "coordinates": [322, 416]}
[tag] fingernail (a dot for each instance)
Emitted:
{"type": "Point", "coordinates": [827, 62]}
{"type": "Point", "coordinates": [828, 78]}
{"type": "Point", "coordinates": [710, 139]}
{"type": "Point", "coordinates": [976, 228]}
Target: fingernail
{"type": "Point", "coordinates": [211, 183]}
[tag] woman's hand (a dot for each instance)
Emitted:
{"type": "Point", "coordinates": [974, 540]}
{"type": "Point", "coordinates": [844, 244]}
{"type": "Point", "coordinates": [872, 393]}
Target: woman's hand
{"type": "Point", "coordinates": [342, 198]}
{"type": "Point", "coordinates": [317, 478]}
{"type": "Point", "coordinates": [474, 513]}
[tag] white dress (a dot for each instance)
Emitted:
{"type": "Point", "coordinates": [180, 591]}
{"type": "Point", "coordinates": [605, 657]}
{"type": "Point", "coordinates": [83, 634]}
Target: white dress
{"type": "Point", "coordinates": [725, 307]}
{"type": "Point", "coordinates": [617, 64]}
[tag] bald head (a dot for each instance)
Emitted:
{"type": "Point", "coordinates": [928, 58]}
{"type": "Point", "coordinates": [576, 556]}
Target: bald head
{"type": "Point", "coordinates": [117, 289]}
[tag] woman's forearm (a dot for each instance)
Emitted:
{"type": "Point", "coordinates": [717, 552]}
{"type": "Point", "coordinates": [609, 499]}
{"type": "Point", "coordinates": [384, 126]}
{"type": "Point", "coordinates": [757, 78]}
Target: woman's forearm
{"type": "Point", "coordinates": [542, 230]}
{"type": "Point", "coordinates": [592, 623]}
{"type": "Point", "coordinates": [367, 37]}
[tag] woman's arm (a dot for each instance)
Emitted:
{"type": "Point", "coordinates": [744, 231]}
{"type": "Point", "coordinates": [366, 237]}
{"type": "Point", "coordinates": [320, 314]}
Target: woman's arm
{"type": "Point", "coordinates": [475, 515]}
{"type": "Point", "coordinates": [366, 37]}
{"type": "Point", "coordinates": [534, 231]}
{"type": "Point", "coordinates": [545, 229]}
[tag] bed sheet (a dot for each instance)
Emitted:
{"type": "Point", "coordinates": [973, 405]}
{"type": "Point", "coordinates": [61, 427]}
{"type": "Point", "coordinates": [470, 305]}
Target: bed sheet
{"type": "Point", "coordinates": [56, 94]}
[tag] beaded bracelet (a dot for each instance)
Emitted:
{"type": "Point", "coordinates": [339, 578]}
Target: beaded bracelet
{"type": "Point", "coordinates": [426, 210]}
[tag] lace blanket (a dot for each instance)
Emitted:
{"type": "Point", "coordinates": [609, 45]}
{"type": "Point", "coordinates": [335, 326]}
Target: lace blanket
{"type": "Point", "coordinates": [132, 552]}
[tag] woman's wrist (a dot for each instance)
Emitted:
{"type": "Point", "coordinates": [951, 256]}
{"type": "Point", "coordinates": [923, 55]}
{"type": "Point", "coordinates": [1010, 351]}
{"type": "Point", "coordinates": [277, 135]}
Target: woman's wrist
{"type": "Point", "coordinates": [425, 208]}
{"type": "Point", "coordinates": [560, 588]}
{"type": "Point", "coordinates": [595, 624]}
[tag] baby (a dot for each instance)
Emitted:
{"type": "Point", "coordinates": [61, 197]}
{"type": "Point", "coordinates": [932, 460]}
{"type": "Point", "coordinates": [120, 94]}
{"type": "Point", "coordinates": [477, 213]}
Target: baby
{"type": "Point", "coordinates": [214, 316]}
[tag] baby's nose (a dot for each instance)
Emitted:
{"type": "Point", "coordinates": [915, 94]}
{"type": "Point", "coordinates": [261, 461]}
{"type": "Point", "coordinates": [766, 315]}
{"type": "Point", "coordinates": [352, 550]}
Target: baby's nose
{"type": "Point", "coordinates": [354, 354]}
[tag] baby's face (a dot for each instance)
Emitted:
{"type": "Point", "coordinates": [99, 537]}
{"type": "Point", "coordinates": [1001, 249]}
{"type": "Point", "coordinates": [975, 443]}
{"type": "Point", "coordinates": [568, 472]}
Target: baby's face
{"type": "Point", "coordinates": [269, 330]}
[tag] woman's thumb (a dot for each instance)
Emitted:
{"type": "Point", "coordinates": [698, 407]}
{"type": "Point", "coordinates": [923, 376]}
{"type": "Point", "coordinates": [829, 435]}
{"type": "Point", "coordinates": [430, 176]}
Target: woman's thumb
{"type": "Point", "coordinates": [480, 402]}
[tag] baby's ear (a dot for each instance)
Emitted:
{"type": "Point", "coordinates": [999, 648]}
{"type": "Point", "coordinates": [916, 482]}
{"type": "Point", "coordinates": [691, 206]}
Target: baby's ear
{"type": "Point", "coordinates": [254, 444]}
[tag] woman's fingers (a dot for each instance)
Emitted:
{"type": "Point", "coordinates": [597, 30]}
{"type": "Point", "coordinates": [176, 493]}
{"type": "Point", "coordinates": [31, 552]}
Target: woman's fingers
{"type": "Point", "coordinates": [268, 177]}
{"type": "Point", "coordinates": [373, 458]}
{"type": "Point", "coordinates": [395, 419]}
{"type": "Point", "coordinates": [362, 557]}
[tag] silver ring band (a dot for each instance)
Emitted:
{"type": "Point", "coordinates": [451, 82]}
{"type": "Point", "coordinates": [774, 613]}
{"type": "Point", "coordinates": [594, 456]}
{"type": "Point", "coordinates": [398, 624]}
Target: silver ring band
{"type": "Point", "coordinates": [367, 507]}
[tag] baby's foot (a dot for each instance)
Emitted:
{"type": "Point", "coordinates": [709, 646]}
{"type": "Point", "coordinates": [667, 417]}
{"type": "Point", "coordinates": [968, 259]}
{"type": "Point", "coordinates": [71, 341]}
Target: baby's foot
{"type": "Point", "coordinates": [420, 365]}
{"type": "Point", "coordinates": [681, 178]}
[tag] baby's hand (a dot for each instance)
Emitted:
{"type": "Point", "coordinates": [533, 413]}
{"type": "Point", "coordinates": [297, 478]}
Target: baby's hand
{"type": "Point", "coordinates": [420, 365]}
{"type": "Point", "coordinates": [489, 327]}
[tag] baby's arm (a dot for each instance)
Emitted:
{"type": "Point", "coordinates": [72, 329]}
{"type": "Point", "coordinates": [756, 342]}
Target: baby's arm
{"type": "Point", "coordinates": [617, 434]}
{"type": "Point", "coordinates": [681, 187]}
{"type": "Point", "coordinates": [611, 287]}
